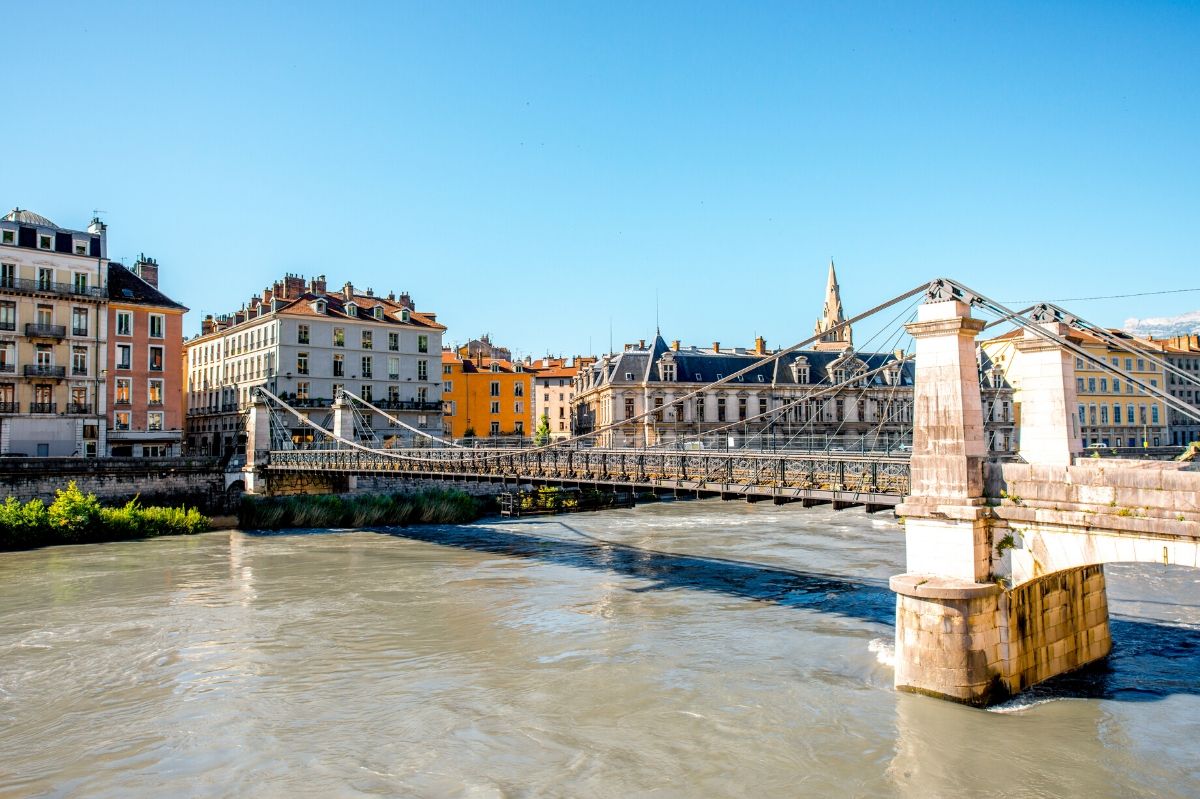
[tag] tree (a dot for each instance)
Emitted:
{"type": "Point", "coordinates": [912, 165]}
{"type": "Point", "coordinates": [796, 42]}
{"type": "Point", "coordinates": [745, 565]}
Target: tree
{"type": "Point", "coordinates": [542, 434]}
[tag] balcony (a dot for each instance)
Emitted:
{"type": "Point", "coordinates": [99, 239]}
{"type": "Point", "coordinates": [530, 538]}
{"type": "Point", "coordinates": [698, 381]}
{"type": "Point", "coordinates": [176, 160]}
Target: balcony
{"type": "Point", "coordinates": [34, 330]}
{"type": "Point", "coordinates": [8, 407]}
{"type": "Point", "coordinates": [79, 371]}
{"type": "Point", "coordinates": [79, 331]}
{"type": "Point", "coordinates": [8, 325]}
{"type": "Point", "coordinates": [48, 287]}
{"type": "Point", "coordinates": [41, 370]}
{"type": "Point", "coordinates": [80, 407]}
{"type": "Point", "coordinates": [8, 368]}
{"type": "Point", "coordinates": [43, 407]}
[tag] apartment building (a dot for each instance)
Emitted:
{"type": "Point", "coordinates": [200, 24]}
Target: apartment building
{"type": "Point", "coordinates": [145, 357]}
{"type": "Point", "coordinates": [1183, 353]}
{"type": "Point", "coordinates": [304, 343]}
{"type": "Point", "coordinates": [52, 336]}
{"type": "Point", "coordinates": [486, 397]}
{"type": "Point", "coordinates": [553, 392]}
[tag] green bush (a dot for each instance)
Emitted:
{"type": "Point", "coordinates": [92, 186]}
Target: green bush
{"type": "Point", "coordinates": [74, 517]}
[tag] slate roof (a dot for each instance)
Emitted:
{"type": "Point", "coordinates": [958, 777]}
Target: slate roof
{"type": "Point", "coordinates": [125, 286]}
{"type": "Point", "coordinates": [698, 366]}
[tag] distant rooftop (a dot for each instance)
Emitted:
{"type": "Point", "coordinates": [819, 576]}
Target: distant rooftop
{"type": "Point", "coordinates": [26, 217]}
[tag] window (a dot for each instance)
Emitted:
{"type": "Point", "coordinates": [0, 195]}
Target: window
{"type": "Point", "coordinates": [1117, 413]}
{"type": "Point", "coordinates": [364, 391]}
{"type": "Point", "coordinates": [44, 242]}
{"type": "Point", "coordinates": [1091, 385]}
{"type": "Point", "coordinates": [448, 387]}
{"type": "Point", "coordinates": [337, 388]}
{"type": "Point", "coordinates": [156, 358]}
{"type": "Point", "coordinates": [720, 409]}
{"type": "Point", "coordinates": [1153, 414]}
{"type": "Point", "coordinates": [8, 315]}
{"type": "Point", "coordinates": [393, 367]}
{"type": "Point", "coordinates": [393, 393]}
{"type": "Point", "coordinates": [1129, 414]}
{"type": "Point", "coordinates": [154, 420]}
{"type": "Point", "coordinates": [302, 334]}
{"type": "Point", "coordinates": [422, 370]}
{"type": "Point", "coordinates": [124, 323]}
{"type": "Point", "coordinates": [699, 409]}
{"type": "Point", "coordinates": [339, 366]}
{"type": "Point", "coordinates": [494, 429]}
{"type": "Point", "coordinates": [368, 341]}
{"type": "Point", "coordinates": [351, 309]}
{"type": "Point", "coordinates": [629, 375]}
{"type": "Point", "coordinates": [1116, 385]}
{"type": "Point", "coordinates": [394, 342]}
{"type": "Point", "coordinates": [79, 283]}
{"type": "Point", "coordinates": [377, 312]}
{"type": "Point", "coordinates": [124, 391]}
{"type": "Point", "coordinates": [518, 389]}
{"type": "Point", "coordinates": [519, 428]}
{"type": "Point", "coordinates": [79, 360]}
{"type": "Point", "coordinates": [154, 392]}
{"type": "Point", "coordinates": [367, 365]}
{"type": "Point", "coordinates": [8, 356]}
{"type": "Point", "coordinates": [1129, 364]}
{"type": "Point", "coordinates": [1141, 414]}
{"type": "Point", "coordinates": [1104, 385]}
{"type": "Point", "coordinates": [447, 369]}
{"type": "Point", "coordinates": [1103, 414]}
{"type": "Point", "coordinates": [157, 325]}
{"type": "Point", "coordinates": [302, 387]}
{"type": "Point", "coordinates": [45, 278]}
{"type": "Point", "coordinates": [121, 420]}
{"type": "Point", "coordinates": [1141, 364]}
{"type": "Point", "coordinates": [302, 363]}
{"type": "Point", "coordinates": [79, 322]}
{"type": "Point", "coordinates": [8, 237]}
{"type": "Point", "coordinates": [518, 407]}
{"type": "Point", "coordinates": [494, 389]}
{"type": "Point", "coordinates": [658, 406]}
{"type": "Point", "coordinates": [8, 275]}
{"type": "Point", "coordinates": [1092, 415]}
{"type": "Point", "coordinates": [422, 343]}
{"type": "Point", "coordinates": [762, 406]}
{"type": "Point", "coordinates": [629, 413]}
{"type": "Point", "coordinates": [495, 367]}
{"type": "Point", "coordinates": [495, 406]}
{"type": "Point", "coordinates": [124, 356]}
{"type": "Point", "coordinates": [339, 337]}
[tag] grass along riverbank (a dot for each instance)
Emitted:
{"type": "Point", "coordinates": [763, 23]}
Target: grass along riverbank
{"type": "Point", "coordinates": [360, 510]}
{"type": "Point", "coordinates": [77, 518]}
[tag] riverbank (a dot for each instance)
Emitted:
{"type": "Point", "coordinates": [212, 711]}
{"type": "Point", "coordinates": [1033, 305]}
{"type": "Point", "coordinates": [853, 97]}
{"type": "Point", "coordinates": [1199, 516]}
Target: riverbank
{"type": "Point", "coordinates": [361, 510]}
{"type": "Point", "coordinates": [78, 518]}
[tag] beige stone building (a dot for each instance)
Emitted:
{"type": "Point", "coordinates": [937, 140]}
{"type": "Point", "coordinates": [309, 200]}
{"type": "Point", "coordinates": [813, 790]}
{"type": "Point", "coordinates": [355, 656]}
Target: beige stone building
{"type": "Point", "coordinates": [53, 333]}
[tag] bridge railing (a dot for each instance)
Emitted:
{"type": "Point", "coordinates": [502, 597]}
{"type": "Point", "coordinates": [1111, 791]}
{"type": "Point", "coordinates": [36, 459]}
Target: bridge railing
{"type": "Point", "coordinates": [819, 471]}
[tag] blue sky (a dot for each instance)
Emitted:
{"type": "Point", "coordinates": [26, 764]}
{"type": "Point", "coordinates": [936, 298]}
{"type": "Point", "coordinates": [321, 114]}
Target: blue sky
{"type": "Point", "coordinates": [542, 171]}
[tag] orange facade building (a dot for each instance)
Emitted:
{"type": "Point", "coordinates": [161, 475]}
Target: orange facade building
{"type": "Point", "coordinates": [145, 364]}
{"type": "Point", "coordinates": [485, 397]}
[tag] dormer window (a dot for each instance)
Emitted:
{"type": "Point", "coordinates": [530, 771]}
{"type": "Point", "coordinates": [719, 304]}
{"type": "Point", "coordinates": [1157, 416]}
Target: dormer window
{"type": "Point", "coordinates": [518, 368]}
{"type": "Point", "coordinates": [319, 306]}
{"type": "Point", "coordinates": [403, 315]}
{"type": "Point", "coordinates": [629, 375]}
{"type": "Point", "coordinates": [8, 237]}
{"type": "Point", "coordinates": [699, 378]}
{"type": "Point", "coordinates": [351, 309]}
{"type": "Point", "coordinates": [45, 242]}
{"type": "Point", "coordinates": [80, 248]}
{"type": "Point", "coordinates": [495, 367]}
{"type": "Point", "coordinates": [378, 310]}
{"type": "Point", "coordinates": [800, 372]}
{"type": "Point", "coordinates": [762, 379]}
{"type": "Point", "coordinates": [666, 372]}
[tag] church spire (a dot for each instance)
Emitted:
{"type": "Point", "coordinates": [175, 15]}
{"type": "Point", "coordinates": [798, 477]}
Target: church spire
{"type": "Point", "coordinates": [833, 315]}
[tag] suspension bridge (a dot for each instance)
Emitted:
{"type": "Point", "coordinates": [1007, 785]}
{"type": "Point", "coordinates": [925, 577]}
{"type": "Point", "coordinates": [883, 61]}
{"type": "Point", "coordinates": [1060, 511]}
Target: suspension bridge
{"type": "Point", "coordinates": [1004, 584]}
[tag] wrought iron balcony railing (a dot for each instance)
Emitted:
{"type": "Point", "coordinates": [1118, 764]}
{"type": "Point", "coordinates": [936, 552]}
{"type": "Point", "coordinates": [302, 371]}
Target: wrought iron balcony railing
{"type": "Point", "coordinates": [43, 407]}
{"type": "Point", "coordinates": [34, 330]}
{"type": "Point", "coordinates": [50, 287]}
{"type": "Point", "coordinates": [79, 407]}
{"type": "Point", "coordinates": [8, 368]}
{"type": "Point", "coordinates": [8, 407]}
{"type": "Point", "coordinates": [40, 370]}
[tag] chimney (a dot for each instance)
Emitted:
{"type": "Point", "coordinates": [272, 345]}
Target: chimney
{"type": "Point", "coordinates": [675, 345]}
{"type": "Point", "coordinates": [716, 346]}
{"type": "Point", "coordinates": [293, 286]}
{"type": "Point", "coordinates": [392, 296]}
{"type": "Point", "coordinates": [147, 270]}
{"type": "Point", "coordinates": [267, 296]}
{"type": "Point", "coordinates": [348, 290]}
{"type": "Point", "coordinates": [370, 292]}
{"type": "Point", "coordinates": [407, 302]}
{"type": "Point", "coordinates": [760, 346]}
{"type": "Point", "coordinates": [641, 343]}
{"type": "Point", "coordinates": [207, 325]}
{"type": "Point", "coordinates": [317, 285]}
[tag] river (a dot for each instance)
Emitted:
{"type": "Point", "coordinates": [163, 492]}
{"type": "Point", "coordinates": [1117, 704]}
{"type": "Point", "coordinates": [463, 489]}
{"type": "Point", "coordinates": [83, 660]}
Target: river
{"type": "Point", "coordinates": [685, 649]}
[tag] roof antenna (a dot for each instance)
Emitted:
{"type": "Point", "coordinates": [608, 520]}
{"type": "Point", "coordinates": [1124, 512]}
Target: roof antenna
{"type": "Point", "coordinates": [657, 328]}
{"type": "Point", "coordinates": [610, 349]}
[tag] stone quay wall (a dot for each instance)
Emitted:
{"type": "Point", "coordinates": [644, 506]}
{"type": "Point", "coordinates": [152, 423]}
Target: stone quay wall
{"type": "Point", "coordinates": [195, 482]}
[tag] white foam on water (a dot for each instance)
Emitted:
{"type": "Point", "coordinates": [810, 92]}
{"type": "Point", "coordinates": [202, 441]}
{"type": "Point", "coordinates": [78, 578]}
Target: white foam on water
{"type": "Point", "coordinates": [1019, 704]}
{"type": "Point", "coordinates": [885, 651]}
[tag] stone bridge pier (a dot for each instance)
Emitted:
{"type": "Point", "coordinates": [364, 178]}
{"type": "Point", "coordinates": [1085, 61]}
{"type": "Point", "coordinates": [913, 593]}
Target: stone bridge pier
{"type": "Point", "coordinates": [965, 630]}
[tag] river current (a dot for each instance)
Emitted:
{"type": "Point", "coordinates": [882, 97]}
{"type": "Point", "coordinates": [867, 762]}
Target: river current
{"type": "Point", "coordinates": [682, 649]}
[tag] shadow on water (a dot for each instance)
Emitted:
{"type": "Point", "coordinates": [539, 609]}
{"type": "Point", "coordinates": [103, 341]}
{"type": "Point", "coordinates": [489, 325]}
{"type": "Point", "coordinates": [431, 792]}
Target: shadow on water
{"type": "Point", "coordinates": [1149, 661]}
